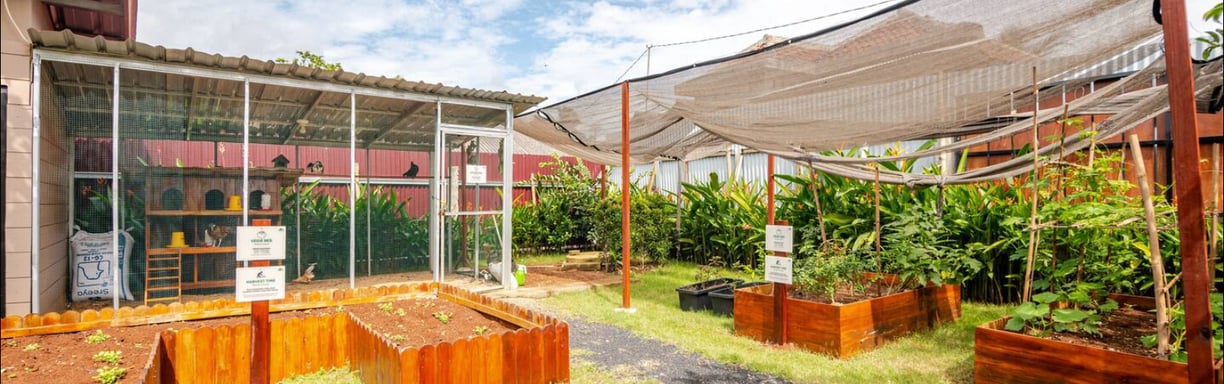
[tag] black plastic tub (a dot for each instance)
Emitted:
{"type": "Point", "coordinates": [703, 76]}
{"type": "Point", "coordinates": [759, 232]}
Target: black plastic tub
{"type": "Point", "coordinates": [722, 301]}
{"type": "Point", "coordinates": [696, 297]}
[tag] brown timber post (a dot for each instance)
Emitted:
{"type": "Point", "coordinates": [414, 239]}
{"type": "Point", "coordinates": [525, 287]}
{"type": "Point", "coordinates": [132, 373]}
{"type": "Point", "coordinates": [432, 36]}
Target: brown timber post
{"type": "Point", "coordinates": [1187, 184]}
{"type": "Point", "coordinates": [625, 195]}
{"type": "Point", "coordinates": [261, 330]}
{"type": "Point", "coordinates": [779, 288]}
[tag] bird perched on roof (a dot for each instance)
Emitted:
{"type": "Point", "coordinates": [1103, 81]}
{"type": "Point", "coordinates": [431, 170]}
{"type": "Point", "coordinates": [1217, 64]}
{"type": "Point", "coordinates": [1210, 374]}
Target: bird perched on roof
{"type": "Point", "coordinates": [306, 276]}
{"type": "Point", "coordinates": [412, 170]}
{"type": "Point", "coordinates": [315, 167]}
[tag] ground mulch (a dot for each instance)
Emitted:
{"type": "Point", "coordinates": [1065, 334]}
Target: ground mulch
{"type": "Point", "coordinates": [1120, 331]}
{"type": "Point", "coordinates": [415, 322]}
{"type": "Point", "coordinates": [552, 275]}
{"type": "Point", "coordinates": [68, 358]}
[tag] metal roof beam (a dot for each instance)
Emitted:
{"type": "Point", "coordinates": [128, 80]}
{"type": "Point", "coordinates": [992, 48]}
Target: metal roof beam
{"type": "Point", "coordinates": [313, 104]}
{"type": "Point", "coordinates": [400, 120]}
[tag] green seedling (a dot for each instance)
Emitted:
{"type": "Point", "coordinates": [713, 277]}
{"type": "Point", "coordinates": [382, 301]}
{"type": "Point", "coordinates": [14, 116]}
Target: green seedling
{"type": "Point", "coordinates": [398, 338]}
{"type": "Point", "coordinates": [30, 347]}
{"type": "Point", "coordinates": [110, 375]}
{"type": "Point", "coordinates": [480, 330]}
{"type": "Point", "coordinates": [401, 312]}
{"type": "Point", "coordinates": [97, 337]}
{"type": "Point", "coordinates": [111, 357]}
{"type": "Point", "coordinates": [442, 316]}
{"type": "Point", "coordinates": [385, 307]}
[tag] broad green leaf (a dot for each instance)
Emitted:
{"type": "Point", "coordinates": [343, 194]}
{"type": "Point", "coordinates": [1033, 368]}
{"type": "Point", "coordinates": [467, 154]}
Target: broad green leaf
{"type": "Point", "coordinates": [1045, 297]}
{"type": "Point", "coordinates": [1014, 324]}
{"type": "Point", "coordinates": [1070, 315]}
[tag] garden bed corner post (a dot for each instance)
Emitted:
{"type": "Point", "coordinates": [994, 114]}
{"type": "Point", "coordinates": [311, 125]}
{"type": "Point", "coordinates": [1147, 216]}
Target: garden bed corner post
{"type": "Point", "coordinates": [779, 288]}
{"type": "Point", "coordinates": [1189, 191]}
{"type": "Point", "coordinates": [625, 195]}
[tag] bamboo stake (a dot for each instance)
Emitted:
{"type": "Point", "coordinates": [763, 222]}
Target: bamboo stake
{"type": "Point", "coordinates": [878, 248]}
{"type": "Point", "coordinates": [1032, 247]}
{"type": "Point", "coordinates": [1214, 245]}
{"type": "Point", "coordinates": [824, 238]}
{"type": "Point", "coordinates": [1158, 275]}
{"type": "Point", "coordinates": [1092, 145]}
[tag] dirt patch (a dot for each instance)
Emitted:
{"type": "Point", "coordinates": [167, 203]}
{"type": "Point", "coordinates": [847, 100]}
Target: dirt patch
{"type": "Point", "coordinates": [847, 294]}
{"type": "Point", "coordinates": [417, 322]}
{"type": "Point", "coordinates": [68, 357]}
{"type": "Point", "coordinates": [1120, 331]}
{"type": "Point", "coordinates": [552, 275]}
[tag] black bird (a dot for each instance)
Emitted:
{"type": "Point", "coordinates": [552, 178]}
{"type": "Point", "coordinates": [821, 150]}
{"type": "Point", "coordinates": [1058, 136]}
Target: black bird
{"type": "Point", "coordinates": [315, 166]}
{"type": "Point", "coordinates": [412, 170]}
{"type": "Point", "coordinates": [280, 161]}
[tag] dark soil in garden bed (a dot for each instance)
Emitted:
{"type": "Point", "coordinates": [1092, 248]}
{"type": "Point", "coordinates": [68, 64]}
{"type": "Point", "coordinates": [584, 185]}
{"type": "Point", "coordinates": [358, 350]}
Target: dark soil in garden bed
{"type": "Point", "coordinates": [1120, 331]}
{"type": "Point", "coordinates": [68, 357]}
{"type": "Point", "coordinates": [846, 294]}
{"type": "Point", "coordinates": [417, 322]}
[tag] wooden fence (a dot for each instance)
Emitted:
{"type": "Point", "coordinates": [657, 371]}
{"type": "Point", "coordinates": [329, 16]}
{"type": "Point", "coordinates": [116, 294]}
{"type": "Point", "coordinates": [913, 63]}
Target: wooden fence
{"type": "Point", "coordinates": [72, 321]}
{"type": "Point", "coordinates": [537, 352]}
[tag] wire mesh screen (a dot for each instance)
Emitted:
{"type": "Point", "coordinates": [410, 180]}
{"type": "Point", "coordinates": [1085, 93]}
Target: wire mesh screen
{"type": "Point", "coordinates": [395, 139]}
{"type": "Point", "coordinates": [473, 204]}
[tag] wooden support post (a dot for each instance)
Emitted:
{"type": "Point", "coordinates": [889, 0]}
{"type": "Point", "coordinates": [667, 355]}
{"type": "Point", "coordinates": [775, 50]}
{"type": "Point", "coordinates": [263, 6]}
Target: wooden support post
{"type": "Point", "coordinates": [625, 254]}
{"type": "Point", "coordinates": [780, 294]}
{"type": "Point", "coordinates": [1158, 275]}
{"type": "Point", "coordinates": [1187, 185]}
{"type": "Point", "coordinates": [261, 332]}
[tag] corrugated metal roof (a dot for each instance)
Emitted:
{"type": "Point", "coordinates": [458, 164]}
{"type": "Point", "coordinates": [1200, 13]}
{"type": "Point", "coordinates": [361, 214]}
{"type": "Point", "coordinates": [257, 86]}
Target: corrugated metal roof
{"type": "Point", "coordinates": [68, 41]}
{"type": "Point", "coordinates": [174, 106]}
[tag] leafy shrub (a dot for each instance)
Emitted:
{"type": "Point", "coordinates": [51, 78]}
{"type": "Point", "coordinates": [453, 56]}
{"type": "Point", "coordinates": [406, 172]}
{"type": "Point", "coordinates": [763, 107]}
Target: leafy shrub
{"type": "Point", "coordinates": [920, 250]}
{"type": "Point", "coordinates": [724, 220]}
{"type": "Point", "coordinates": [821, 271]}
{"type": "Point", "coordinates": [652, 224]}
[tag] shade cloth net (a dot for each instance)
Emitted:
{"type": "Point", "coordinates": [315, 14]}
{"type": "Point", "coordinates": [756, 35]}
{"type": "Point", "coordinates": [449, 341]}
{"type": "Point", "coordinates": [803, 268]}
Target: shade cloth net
{"type": "Point", "coordinates": [917, 70]}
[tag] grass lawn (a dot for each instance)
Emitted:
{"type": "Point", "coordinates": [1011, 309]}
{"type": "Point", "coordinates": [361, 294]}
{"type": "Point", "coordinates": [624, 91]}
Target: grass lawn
{"type": "Point", "coordinates": [944, 355]}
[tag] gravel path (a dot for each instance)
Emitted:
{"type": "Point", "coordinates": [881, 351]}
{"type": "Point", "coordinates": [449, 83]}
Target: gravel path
{"type": "Point", "coordinates": [611, 346]}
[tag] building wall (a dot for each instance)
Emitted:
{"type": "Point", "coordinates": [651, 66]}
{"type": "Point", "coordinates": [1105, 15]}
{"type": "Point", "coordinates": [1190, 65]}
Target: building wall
{"type": "Point", "coordinates": [16, 74]}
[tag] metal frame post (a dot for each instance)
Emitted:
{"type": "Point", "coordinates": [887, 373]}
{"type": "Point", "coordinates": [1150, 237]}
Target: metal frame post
{"type": "Point", "coordinates": [115, 193]}
{"type": "Point", "coordinates": [508, 198]}
{"type": "Point", "coordinates": [352, 190]}
{"type": "Point", "coordinates": [35, 199]}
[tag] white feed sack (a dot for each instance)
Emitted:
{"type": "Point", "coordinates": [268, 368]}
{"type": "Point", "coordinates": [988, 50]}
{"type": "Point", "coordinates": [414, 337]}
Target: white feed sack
{"type": "Point", "coordinates": [92, 276]}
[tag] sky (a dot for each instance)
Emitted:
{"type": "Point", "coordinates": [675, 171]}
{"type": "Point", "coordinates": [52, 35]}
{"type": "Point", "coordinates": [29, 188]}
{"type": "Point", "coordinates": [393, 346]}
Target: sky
{"type": "Point", "coordinates": [556, 49]}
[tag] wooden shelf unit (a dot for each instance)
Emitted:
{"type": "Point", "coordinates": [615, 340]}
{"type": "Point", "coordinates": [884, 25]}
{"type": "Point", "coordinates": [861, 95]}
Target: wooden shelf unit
{"type": "Point", "coordinates": [196, 266]}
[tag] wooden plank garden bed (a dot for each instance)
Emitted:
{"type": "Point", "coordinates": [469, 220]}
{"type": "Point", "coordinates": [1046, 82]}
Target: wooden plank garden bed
{"type": "Point", "coordinates": [515, 345]}
{"type": "Point", "coordinates": [844, 330]}
{"type": "Point", "coordinates": [1002, 356]}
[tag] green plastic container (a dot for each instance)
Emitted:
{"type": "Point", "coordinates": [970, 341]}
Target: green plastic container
{"type": "Point", "coordinates": [520, 275]}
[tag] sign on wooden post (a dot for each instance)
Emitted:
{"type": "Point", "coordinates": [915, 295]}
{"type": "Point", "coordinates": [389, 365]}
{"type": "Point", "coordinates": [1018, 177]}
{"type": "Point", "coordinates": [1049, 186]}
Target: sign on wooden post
{"type": "Point", "coordinates": [259, 283]}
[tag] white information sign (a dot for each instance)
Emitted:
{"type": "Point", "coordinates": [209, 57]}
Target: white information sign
{"type": "Point", "coordinates": [477, 174]}
{"type": "Point", "coordinates": [261, 243]}
{"type": "Point", "coordinates": [779, 238]}
{"type": "Point", "coordinates": [260, 283]}
{"type": "Point", "coordinates": [778, 269]}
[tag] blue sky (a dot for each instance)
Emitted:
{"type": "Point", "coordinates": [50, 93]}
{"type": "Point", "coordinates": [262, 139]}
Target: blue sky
{"type": "Point", "coordinates": [550, 48]}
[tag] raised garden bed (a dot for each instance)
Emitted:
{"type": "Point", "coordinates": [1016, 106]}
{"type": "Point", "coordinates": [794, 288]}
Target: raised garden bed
{"type": "Point", "coordinates": [524, 346]}
{"type": "Point", "coordinates": [844, 330]}
{"type": "Point", "coordinates": [1002, 356]}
